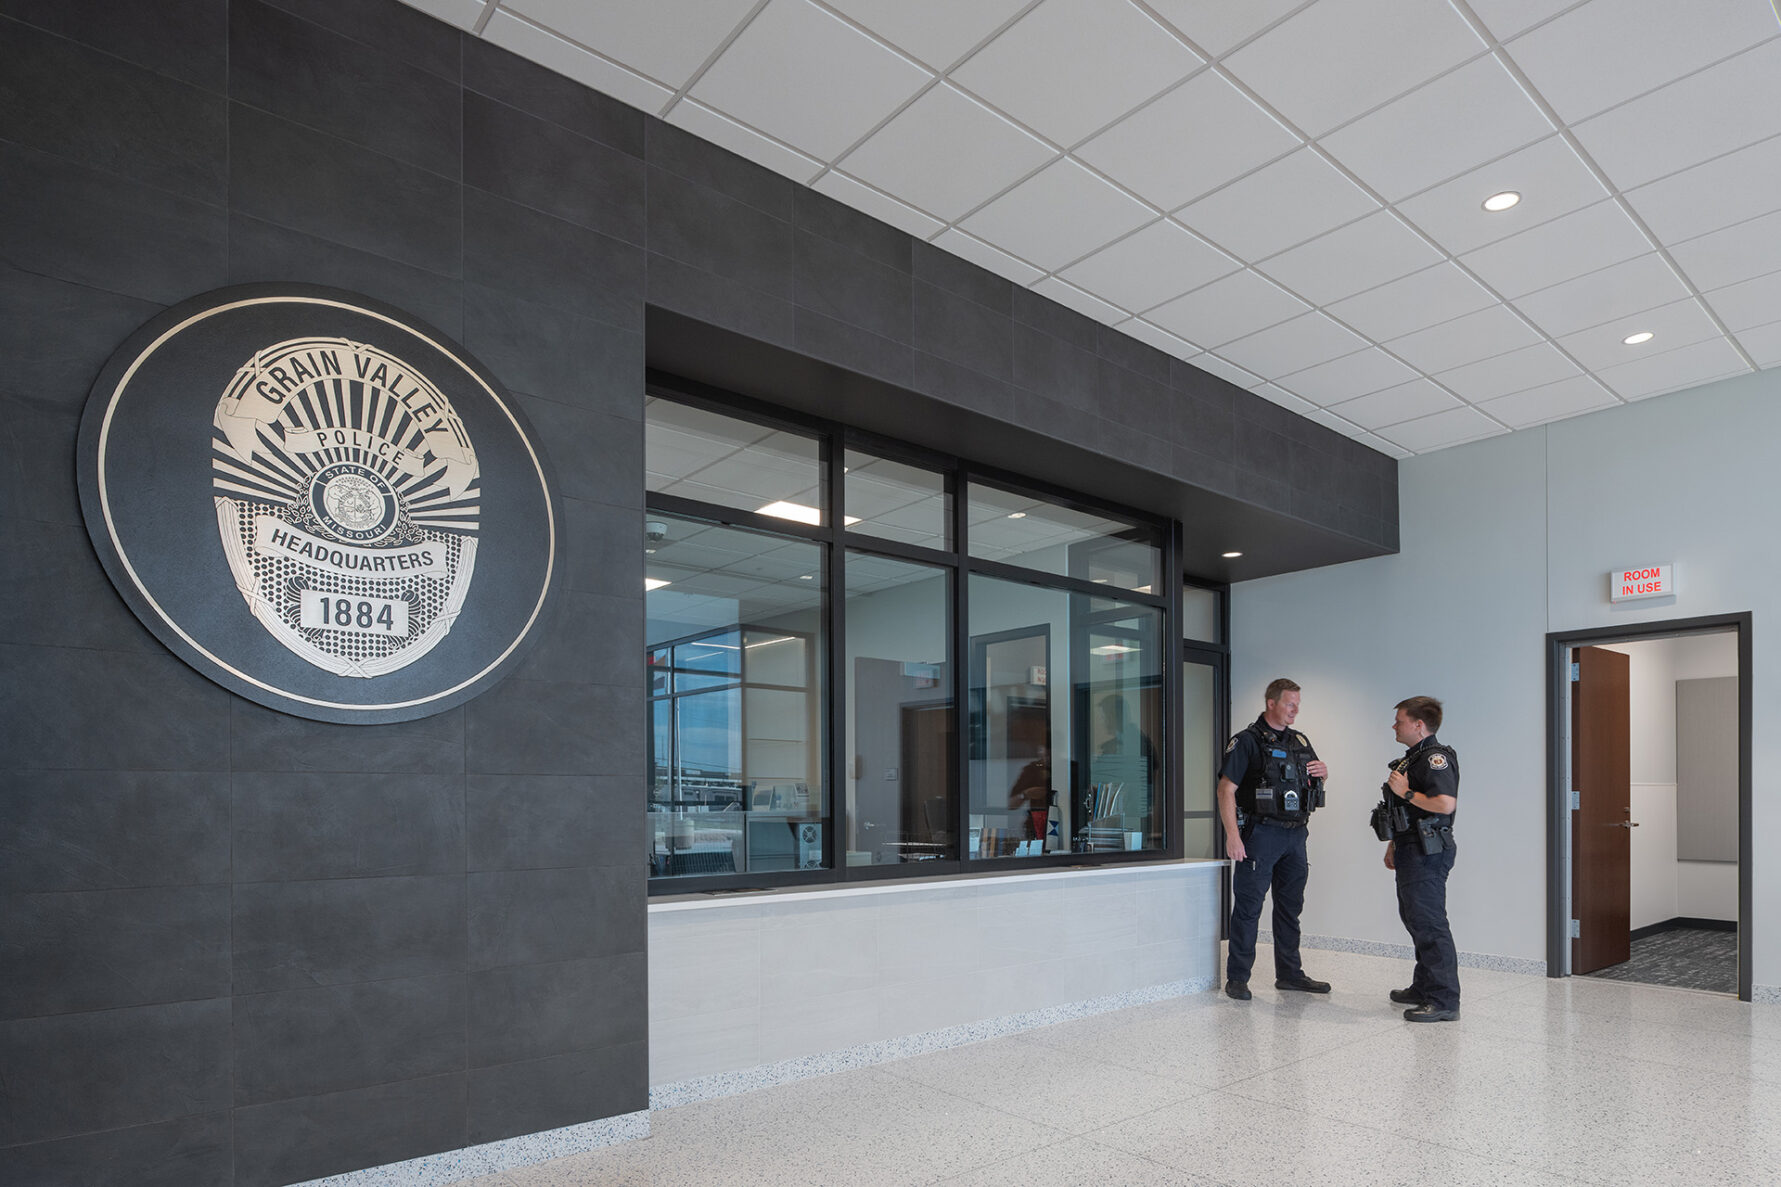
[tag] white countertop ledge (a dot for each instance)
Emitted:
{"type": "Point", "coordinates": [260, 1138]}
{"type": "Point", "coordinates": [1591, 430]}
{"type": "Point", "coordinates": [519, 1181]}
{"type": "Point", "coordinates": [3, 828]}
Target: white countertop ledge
{"type": "Point", "coordinates": [710, 900]}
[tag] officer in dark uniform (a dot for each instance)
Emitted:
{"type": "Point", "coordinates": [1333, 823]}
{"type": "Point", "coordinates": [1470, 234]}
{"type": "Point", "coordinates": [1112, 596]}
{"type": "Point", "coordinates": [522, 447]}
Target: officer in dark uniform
{"type": "Point", "coordinates": [1269, 783]}
{"type": "Point", "coordinates": [1425, 784]}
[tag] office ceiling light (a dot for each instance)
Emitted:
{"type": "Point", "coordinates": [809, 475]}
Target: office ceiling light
{"type": "Point", "coordinates": [1497, 203]}
{"type": "Point", "coordinates": [1111, 649]}
{"type": "Point", "coordinates": [1230, 556]}
{"type": "Point", "coordinates": [1017, 515]}
{"type": "Point", "coordinates": [786, 510]}
{"type": "Point", "coordinates": [650, 583]}
{"type": "Point", "coordinates": [1639, 339]}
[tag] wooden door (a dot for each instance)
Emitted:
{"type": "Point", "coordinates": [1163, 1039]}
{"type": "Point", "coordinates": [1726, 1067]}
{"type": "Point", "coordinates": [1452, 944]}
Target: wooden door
{"type": "Point", "coordinates": [1601, 825]}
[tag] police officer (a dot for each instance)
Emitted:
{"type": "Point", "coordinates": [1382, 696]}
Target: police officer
{"type": "Point", "coordinates": [1268, 784]}
{"type": "Point", "coordinates": [1426, 780]}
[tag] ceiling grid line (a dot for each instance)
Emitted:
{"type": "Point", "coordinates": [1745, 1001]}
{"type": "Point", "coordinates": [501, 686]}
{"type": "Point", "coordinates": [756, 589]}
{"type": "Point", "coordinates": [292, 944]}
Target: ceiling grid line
{"type": "Point", "coordinates": [685, 88]}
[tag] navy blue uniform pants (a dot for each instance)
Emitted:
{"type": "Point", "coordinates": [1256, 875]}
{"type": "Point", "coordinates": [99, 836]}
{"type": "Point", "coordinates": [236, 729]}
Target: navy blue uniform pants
{"type": "Point", "coordinates": [1422, 905]}
{"type": "Point", "coordinates": [1276, 862]}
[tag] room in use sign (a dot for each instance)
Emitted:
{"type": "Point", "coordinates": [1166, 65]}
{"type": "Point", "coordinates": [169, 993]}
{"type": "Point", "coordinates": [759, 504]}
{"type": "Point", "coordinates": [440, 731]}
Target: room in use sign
{"type": "Point", "coordinates": [1649, 581]}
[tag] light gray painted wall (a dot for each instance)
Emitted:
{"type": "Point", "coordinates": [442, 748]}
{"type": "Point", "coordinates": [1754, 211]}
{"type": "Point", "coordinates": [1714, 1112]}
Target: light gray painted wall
{"type": "Point", "coordinates": [1503, 541]}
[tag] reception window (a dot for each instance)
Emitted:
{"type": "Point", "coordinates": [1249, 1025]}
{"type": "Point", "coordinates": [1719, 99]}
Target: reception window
{"type": "Point", "coordinates": [867, 660]}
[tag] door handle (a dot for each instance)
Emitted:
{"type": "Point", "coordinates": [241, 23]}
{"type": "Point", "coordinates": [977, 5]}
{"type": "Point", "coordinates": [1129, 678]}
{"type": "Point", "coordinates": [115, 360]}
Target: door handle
{"type": "Point", "coordinates": [1625, 824]}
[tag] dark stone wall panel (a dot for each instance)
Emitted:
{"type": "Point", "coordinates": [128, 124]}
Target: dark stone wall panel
{"type": "Point", "coordinates": [719, 301]}
{"type": "Point", "coordinates": [959, 330]}
{"type": "Point", "coordinates": [260, 251]}
{"type": "Point", "coordinates": [525, 253]}
{"type": "Point", "coordinates": [819, 214]}
{"type": "Point", "coordinates": [598, 457]}
{"type": "Point", "coordinates": [508, 78]}
{"type": "Point", "coordinates": [262, 739]}
{"type": "Point", "coordinates": [517, 1098]}
{"type": "Point", "coordinates": [838, 282]}
{"type": "Point", "coordinates": [517, 822]}
{"type": "Point", "coordinates": [285, 173]}
{"type": "Point", "coordinates": [66, 708]}
{"type": "Point", "coordinates": [961, 278]}
{"type": "Point", "coordinates": [537, 1011]}
{"type": "Point", "coordinates": [523, 917]}
{"type": "Point", "coordinates": [402, 33]}
{"type": "Point", "coordinates": [56, 336]}
{"type": "Point", "coordinates": [110, 115]}
{"type": "Point", "coordinates": [754, 249]}
{"type": "Point", "coordinates": [293, 934]}
{"type": "Point", "coordinates": [603, 556]}
{"type": "Point", "coordinates": [536, 163]}
{"type": "Point", "coordinates": [192, 1151]}
{"type": "Point", "coordinates": [554, 355]}
{"type": "Point", "coordinates": [290, 827]}
{"type": "Point", "coordinates": [310, 1137]}
{"type": "Point", "coordinates": [185, 39]}
{"type": "Point", "coordinates": [79, 1073]}
{"type": "Point", "coordinates": [82, 225]}
{"type": "Point", "coordinates": [309, 1042]}
{"type": "Point", "coordinates": [68, 602]}
{"type": "Point", "coordinates": [108, 949]}
{"type": "Point", "coordinates": [860, 351]}
{"type": "Point", "coordinates": [302, 72]}
{"type": "Point", "coordinates": [105, 830]}
{"type": "Point", "coordinates": [594, 639]}
{"type": "Point", "coordinates": [523, 727]}
{"type": "Point", "coordinates": [685, 156]}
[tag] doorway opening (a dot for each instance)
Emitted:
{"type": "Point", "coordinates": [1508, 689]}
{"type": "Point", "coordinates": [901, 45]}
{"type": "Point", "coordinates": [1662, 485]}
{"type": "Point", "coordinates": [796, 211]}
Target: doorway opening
{"type": "Point", "coordinates": [1649, 839]}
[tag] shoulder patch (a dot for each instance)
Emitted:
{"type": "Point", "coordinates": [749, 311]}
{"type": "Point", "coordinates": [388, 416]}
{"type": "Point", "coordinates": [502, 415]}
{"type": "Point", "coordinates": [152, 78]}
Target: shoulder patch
{"type": "Point", "coordinates": [1230, 745]}
{"type": "Point", "coordinates": [1437, 762]}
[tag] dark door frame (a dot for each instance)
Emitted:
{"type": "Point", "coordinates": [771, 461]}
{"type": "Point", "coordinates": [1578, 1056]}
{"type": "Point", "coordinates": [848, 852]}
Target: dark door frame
{"type": "Point", "coordinates": [1558, 800]}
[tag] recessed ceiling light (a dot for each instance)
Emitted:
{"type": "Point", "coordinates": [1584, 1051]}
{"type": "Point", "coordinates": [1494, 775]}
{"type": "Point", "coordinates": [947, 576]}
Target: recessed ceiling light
{"type": "Point", "coordinates": [1017, 515]}
{"type": "Point", "coordinates": [785, 509]}
{"type": "Point", "coordinates": [1497, 203]}
{"type": "Point", "coordinates": [652, 583]}
{"type": "Point", "coordinates": [1641, 337]}
{"type": "Point", "coordinates": [806, 576]}
{"type": "Point", "coordinates": [1230, 556]}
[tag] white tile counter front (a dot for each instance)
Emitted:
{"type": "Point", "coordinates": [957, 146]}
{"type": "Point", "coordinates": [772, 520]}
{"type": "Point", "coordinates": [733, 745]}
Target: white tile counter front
{"type": "Point", "coordinates": [749, 990]}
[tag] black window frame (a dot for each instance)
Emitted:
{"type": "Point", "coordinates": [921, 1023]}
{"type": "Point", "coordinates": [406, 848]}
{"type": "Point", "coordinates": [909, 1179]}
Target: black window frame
{"type": "Point", "coordinates": [834, 440]}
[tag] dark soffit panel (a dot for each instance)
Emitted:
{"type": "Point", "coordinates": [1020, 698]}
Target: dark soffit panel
{"type": "Point", "coordinates": [1270, 541]}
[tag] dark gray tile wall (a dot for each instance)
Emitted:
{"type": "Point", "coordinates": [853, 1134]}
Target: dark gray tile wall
{"type": "Point", "coordinates": [245, 948]}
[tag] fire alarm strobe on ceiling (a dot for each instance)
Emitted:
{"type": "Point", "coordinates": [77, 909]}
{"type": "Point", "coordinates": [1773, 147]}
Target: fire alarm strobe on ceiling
{"type": "Point", "coordinates": [319, 502]}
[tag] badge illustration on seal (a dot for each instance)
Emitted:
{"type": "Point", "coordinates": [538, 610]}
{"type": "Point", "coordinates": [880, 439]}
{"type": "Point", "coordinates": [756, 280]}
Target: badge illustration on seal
{"type": "Point", "coordinates": [347, 499]}
{"type": "Point", "coordinates": [320, 502]}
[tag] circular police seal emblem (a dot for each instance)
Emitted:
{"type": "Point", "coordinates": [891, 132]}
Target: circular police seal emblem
{"type": "Point", "coordinates": [1438, 761]}
{"type": "Point", "coordinates": [319, 503]}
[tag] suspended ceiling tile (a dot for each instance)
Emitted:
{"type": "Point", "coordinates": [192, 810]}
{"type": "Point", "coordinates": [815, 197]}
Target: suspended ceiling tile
{"type": "Point", "coordinates": [1304, 341]}
{"type": "Point", "coordinates": [1687, 366]}
{"type": "Point", "coordinates": [815, 81]}
{"type": "Point", "coordinates": [1151, 266]}
{"type": "Point", "coordinates": [1453, 427]}
{"type": "Point", "coordinates": [1728, 107]}
{"type": "Point", "coordinates": [1084, 303]}
{"type": "Point", "coordinates": [1060, 214]}
{"type": "Point", "coordinates": [1506, 18]}
{"type": "Point", "coordinates": [1410, 303]}
{"type": "Point", "coordinates": [1357, 374]}
{"type": "Point", "coordinates": [572, 61]}
{"type": "Point", "coordinates": [1200, 135]}
{"type": "Point", "coordinates": [1294, 199]}
{"type": "Point", "coordinates": [1360, 256]}
{"type": "Point", "coordinates": [1217, 26]}
{"type": "Point", "coordinates": [1735, 187]}
{"type": "Point", "coordinates": [1606, 52]}
{"type": "Point", "coordinates": [990, 258]}
{"type": "Point", "coordinates": [1069, 67]}
{"type": "Point", "coordinates": [880, 206]}
{"type": "Point", "coordinates": [1409, 144]}
{"type": "Point", "coordinates": [938, 32]}
{"type": "Point", "coordinates": [462, 13]}
{"type": "Point", "coordinates": [1516, 371]}
{"type": "Point", "coordinates": [721, 129]}
{"type": "Point", "coordinates": [1749, 303]}
{"type": "Point", "coordinates": [1237, 305]}
{"type": "Point", "coordinates": [1476, 336]}
{"type": "Point", "coordinates": [1552, 401]}
{"type": "Point", "coordinates": [1395, 405]}
{"type": "Point", "coordinates": [1329, 420]}
{"type": "Point", "coordinates": [1637, 284]}
{"type": "Point", "coordinates": [1734, 254]}
{"type": "Point", "coordinates": [1158, 337]}
{"type": "Point", "coordinates": [665, 39]}
{"type": "Point", "coordinates": [1679, 324]}
{"type": "Point", "coordinates": [1336, 59]}
{"type": "Point", "coordinates": [947, 153]}
{"type": "Point", "coordinates": [1550, 177]}
{"type": "Point", "coordinates": [1763, 343]}
{"type": "Point", "coordinates": [1226, 370]}
{"type": "Point", "coordinates": [1582, 241]}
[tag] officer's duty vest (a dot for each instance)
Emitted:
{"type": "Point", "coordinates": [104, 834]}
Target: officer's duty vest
{"type": "Point", "coordinates": [1284, 755]}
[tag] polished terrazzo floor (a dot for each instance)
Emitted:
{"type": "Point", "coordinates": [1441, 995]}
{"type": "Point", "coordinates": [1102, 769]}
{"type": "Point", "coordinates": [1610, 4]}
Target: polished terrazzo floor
{"type": "Point", "coordinates": [1540, 1082]}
